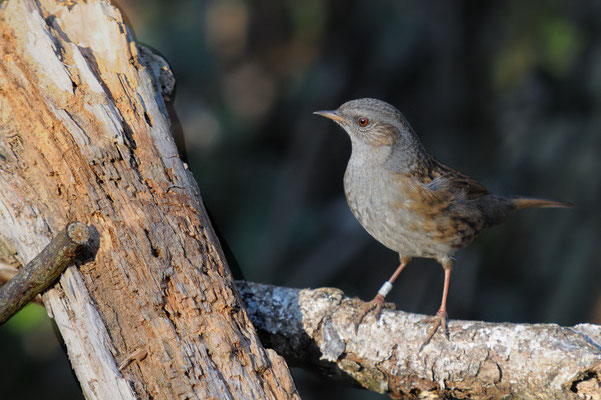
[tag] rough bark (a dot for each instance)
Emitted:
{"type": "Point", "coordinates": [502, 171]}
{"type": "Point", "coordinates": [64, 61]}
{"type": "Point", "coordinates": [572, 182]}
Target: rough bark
{"type": "Point", "coordinates": [84, 135]}
{"type": "Point", "coordinates": [315, 329]}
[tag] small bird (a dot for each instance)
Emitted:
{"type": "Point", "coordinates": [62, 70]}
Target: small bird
{"type": "Point", "coordinates": [410, 202]}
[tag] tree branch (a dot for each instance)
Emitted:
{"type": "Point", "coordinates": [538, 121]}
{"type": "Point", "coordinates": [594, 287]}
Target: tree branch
{"type": "Point", "coordinates": [314, 329]}
{"type": "Point", "coordinates": [44, 269]}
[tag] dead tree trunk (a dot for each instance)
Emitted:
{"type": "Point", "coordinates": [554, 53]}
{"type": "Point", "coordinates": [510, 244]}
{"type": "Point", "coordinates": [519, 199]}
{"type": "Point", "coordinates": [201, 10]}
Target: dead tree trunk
{"type": "Point", "coordinates": [84, 135]}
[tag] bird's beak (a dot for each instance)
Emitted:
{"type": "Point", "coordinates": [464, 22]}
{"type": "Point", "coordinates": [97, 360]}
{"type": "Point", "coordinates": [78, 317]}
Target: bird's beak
{"type": "Point", "coordinates": [333, 115]}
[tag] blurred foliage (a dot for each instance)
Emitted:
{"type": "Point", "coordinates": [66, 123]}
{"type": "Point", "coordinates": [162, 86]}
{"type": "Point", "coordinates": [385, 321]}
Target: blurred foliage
{"type": "Point", "coordinates": [507, 92]}
{"type": "Point", "coordinates": [33, 365]}
{"type": "Point", "coordinates": [28, 319]}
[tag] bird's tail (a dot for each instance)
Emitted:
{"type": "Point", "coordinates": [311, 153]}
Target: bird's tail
{"type": "Point", "coordinates": [529, 202]}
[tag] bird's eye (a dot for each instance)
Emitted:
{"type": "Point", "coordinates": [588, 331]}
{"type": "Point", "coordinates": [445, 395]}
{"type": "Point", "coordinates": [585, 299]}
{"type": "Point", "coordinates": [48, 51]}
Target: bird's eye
{"type": "Point", "coordinates": [362, 121]}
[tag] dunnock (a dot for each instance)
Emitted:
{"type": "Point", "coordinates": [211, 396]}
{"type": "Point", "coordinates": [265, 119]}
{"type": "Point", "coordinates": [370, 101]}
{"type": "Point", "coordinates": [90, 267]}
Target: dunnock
{"type": "Point", "coordinates": [410, 202]}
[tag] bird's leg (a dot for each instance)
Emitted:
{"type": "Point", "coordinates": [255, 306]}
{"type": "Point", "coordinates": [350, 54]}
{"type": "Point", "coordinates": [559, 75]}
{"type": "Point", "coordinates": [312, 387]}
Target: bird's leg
{"type": "Point", "coordinates": [378, 301]}
{"type": "Point", "coordinates": [440, 319]}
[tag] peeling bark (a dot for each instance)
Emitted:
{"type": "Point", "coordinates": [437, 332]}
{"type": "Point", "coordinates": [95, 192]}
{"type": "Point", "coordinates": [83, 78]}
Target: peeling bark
{"type": "Point", "coordinates": [85, 135]}
{"type": "Point", "coordinates": [314, 329]}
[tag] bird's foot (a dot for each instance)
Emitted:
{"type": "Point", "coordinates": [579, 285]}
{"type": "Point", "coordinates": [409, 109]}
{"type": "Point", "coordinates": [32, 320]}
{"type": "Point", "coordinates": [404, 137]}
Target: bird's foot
{"type": "Point", "coordinates": [438, 321]}
{"type": "Point", "coordinates": [376, 304]}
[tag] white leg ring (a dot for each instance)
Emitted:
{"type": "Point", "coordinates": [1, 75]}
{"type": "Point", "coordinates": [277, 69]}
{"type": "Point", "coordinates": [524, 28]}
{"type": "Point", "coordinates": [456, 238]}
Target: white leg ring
{"type": "Point", "coordinates": [385, 289]}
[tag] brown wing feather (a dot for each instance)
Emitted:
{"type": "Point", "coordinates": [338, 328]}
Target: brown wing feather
{"type": "Point", "coordinates": [457, 181]}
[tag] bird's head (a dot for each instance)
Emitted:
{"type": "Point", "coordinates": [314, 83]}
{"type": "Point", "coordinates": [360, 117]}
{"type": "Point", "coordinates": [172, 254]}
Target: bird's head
{"type": "Point", "coordinates": [371, 121]}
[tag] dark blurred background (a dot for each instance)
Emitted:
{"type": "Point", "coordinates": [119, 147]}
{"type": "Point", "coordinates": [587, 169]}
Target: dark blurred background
{"type": "Point", "coordinates": [507, 92]}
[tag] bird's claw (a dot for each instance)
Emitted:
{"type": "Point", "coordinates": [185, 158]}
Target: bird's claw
{"type": "Point", "coordinates": [377, 303]}
{"type": "Point", "coordinates": [439, 321]}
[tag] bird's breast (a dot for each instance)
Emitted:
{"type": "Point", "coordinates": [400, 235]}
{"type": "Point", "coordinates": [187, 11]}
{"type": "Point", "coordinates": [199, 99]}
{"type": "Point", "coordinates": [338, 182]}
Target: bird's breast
{"type": "Point", "coordinates": [387, 206]}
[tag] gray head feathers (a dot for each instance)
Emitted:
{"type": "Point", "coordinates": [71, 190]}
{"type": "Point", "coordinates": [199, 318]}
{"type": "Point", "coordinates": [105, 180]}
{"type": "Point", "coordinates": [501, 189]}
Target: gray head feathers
{"type": "Point", "coordinates": [378, 109]}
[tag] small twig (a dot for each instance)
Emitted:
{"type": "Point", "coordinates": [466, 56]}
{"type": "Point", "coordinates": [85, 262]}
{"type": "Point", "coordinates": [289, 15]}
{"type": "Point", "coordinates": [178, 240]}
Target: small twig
{"type": "Point", "coordinates": [7, 272]}
{"type": "Point", "coordinates": [44, 269]}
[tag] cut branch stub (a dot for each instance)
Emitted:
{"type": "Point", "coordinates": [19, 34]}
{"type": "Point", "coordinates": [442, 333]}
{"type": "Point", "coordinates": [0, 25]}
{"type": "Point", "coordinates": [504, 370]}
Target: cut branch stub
{"type": "Point", "coordinates": [44, 269]}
